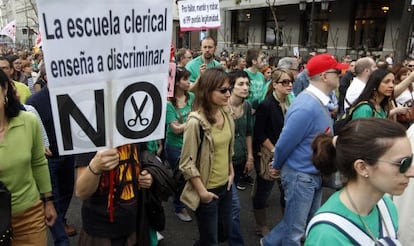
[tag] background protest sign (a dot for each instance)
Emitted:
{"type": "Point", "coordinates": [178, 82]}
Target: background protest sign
{"type": "Point", "coordinates": [198, 15]}
{"type": "Point", "coordinates": [107, 65]}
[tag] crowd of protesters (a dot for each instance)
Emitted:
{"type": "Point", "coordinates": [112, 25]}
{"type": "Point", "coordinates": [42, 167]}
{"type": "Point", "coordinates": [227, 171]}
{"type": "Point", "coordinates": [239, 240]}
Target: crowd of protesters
{"type": "Point", "coordinates": [234, 120]}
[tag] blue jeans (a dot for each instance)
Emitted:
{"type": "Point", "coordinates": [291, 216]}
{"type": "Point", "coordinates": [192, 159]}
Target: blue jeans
{"type": "Point", "coordinates": [303, 194]}
{"type": "Point", "coordinates": [236, 238]}
{"type": "Point", "coordinates": [62, 176]}
{"type": "Point", "coordinates": [215, 217]}
{"type": "Point", "coordinates": [173, 154]}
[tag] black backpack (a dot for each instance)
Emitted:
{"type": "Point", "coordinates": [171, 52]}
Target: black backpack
{"type": "Point", "coordinates": [347, 117]}
{"type": "Point", "coordinates": [5, 216]}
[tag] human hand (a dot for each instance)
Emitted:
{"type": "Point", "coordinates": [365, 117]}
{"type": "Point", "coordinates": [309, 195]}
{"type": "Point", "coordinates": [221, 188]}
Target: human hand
{"type": "Point", "coordinates": [249, 165]}
{"type": "Point", "coordinates": [50, 213]}
{"type": "Point", "coordinates": [207, 196]}
{"type": "Point", "coordinates": [105, 160]}
{"type": "Point", "coordinates": [274, 172]}
{"type": "Point", "coordinates": [48, 152]}
{"type": "Point", "coordinates": [203, 68]}
{"type": "Point", "coordinates": [145, 179]}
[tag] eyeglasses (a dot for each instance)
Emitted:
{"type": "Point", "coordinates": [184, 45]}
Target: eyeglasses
{"type": "Point", "coordinates": [337, 71]}
{"type": "Point", "coordinates": [404, 164]}
{"type": "Point", "coordinates": [285, 82]}
{"type": "Point", "coordinates": [224, 90]}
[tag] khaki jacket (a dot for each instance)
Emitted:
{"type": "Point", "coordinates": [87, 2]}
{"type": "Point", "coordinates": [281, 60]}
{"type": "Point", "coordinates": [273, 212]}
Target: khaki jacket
{"type": "Point", "coordinates": [190, 165]}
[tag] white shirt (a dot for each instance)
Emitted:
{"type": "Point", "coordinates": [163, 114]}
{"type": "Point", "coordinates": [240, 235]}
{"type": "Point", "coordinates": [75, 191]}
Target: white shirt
{"type": "Point", "coordinates": [353, 92]}
{"type": "Point", "coordinates": [325, 99]}
{"type": "Point", "coordinates": [404, 97]}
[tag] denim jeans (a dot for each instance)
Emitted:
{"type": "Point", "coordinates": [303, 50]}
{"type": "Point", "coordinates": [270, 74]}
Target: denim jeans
{"type": "Point", "coordinates": [62, 176]}
{"type": "Point", "coordinates": [172, 154]}
{"type": "Point", "coordinates": [215, 217]}
{"type": "Point", "coordinates": [303, 194]}
{"type": "Point", "coordinates": [236, 238]}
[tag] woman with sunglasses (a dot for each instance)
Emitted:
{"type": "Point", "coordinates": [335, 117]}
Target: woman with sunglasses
{"type": "Point", "coordinates": [268, 125]}
{"type": "Point", "coordinates": [206, 158]}
{"type": "Point", "coordinates": [178, 108]}
{"type": "Point", "coordinates": [360, 213]}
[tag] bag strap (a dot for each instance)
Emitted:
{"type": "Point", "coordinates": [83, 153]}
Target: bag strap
{"type": "Point", "coordinates": [350, 229]}
{"type": "Point", "coordinates": [386, 220]}
{"type": "Point", "coordinates": [352, 109]}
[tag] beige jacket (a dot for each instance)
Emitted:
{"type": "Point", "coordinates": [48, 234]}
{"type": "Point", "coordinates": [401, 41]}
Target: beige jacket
{"type": "Point", "coordinates": [190, 165]}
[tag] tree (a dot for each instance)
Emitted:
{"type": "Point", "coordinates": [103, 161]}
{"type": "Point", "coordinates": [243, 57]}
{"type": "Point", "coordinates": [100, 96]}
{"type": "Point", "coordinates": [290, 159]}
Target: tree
{"type": "Point", "coordinates": [276, 30]}
{"type": "Point", "coordinates": [407, 20]}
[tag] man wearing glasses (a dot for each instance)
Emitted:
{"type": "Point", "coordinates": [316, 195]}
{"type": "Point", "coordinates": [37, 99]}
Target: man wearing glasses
{"type": "Point", "coordinates": [307, 117]}
{"type": "Point", "coordinates": [410, 65]}
{"type": "Point", "coordinates": [183, 57]}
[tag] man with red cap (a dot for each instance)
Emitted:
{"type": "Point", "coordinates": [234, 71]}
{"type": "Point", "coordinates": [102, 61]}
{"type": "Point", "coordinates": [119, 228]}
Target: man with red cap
{"type": "Point", "coordinates": [307, 117]}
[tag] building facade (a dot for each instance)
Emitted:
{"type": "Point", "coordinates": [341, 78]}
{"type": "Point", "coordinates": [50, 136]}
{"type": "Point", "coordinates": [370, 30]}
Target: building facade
{"type": "Point", "coordinates": [25, 14]}
{"type": "Point", "coordinates": [354, 27]}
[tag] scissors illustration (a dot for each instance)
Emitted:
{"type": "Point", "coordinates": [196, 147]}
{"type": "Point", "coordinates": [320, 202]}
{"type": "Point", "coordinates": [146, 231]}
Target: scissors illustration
{"type": "Point", "coordinates": [143, 121]}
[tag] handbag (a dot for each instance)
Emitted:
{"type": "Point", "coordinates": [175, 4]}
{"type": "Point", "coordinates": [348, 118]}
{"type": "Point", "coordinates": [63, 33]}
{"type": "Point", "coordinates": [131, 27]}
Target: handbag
{"type": "Point", "coordinates": [5, 215]}
{"type": "Point", "coordinates": [407, 117]}
{"type": "Point", "coordinates": [266, 157]}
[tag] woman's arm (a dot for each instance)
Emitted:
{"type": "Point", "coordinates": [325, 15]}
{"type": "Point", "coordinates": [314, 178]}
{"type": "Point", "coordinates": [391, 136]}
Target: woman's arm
{"type": "Point", "coordinates": [176, 127]}
{"type": "Point", "coordinates": [400, 88]}
{"type": "Point", "coordinates": [250, 159]}
{"type": "Point", "coordinates": [205, 195]}
{"type": "Point", "coordinates": [88, 176]}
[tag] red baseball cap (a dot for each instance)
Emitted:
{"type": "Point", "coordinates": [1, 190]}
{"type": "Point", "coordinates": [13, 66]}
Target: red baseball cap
{"type": "Point", "coordinates": [323, 62]}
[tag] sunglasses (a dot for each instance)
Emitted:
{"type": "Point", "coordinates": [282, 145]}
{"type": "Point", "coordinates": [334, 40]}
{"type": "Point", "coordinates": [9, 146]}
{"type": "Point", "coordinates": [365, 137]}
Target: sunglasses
{"type": "Point", "coordinates": [285, 82]}
{"type": "Point", "coordinates": [337, 71]}
{"type": "Point", "coordinates": [224, 90]}
{"type": "Point", "coordinates": [404, 164]}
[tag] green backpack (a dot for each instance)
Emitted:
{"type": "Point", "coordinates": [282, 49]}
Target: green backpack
{"type": "Point", "coordinates": [347, 117]}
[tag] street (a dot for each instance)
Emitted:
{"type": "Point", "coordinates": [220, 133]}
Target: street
{"type": "Point", "coordinates": [178, 233]}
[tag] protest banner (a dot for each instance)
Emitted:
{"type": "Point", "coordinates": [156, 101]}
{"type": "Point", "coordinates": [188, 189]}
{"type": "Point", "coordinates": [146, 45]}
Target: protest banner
{"type": "Point", "coordinates": [195, 15]}
{"type": "Point", "coordinates": [107, 66]}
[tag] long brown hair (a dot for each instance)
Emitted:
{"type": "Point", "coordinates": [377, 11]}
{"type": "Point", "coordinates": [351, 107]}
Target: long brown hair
{"type": "Point", "coordinates": [209, 81]}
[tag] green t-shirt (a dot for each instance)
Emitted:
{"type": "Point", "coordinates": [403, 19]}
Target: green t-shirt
{"type": "Point", "coordinates": [326, 234]}
{"type": "Point", "coordinates": [194, 67]}
{"type": "Point", "coordinates": [179, 115]}
{"type": "Point", "coordinates": [257, 84]}
{"type": "Point", "coordinates": [243, 128]}
{"type": "Point", "coordinates": [365, 111]}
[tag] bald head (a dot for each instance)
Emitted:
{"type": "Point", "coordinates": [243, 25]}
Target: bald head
{"type": "Point", "coordinates": [365, 65]}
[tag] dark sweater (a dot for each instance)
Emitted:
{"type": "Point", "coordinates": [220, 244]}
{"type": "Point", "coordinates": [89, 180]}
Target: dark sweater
{"type": "Point", "coordinates": [41, 102]}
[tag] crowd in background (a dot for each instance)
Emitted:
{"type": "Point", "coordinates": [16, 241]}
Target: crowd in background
{"type": "Point", "coordinates": [235, 119]}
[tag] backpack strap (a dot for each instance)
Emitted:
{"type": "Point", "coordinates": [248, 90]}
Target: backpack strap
{"type": "Point", "coordinates": [354, 233]}
{"type": "Point", "coordinates": [386, 220]}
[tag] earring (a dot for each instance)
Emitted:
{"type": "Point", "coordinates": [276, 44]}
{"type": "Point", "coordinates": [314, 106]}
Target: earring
{"type": "Point", "coordinates": [6, 100]}
{"type": "Point", "coordinates": [366, 175]}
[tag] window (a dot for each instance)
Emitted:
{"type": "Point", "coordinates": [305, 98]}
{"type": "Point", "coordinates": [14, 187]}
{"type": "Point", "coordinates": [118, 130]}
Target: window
{"type": "Point", "coordinates": [240, 26]}
{"type": "Point", "coordinates": [369, 25]}
{"type": "Point", "coordinates": [270, 30]}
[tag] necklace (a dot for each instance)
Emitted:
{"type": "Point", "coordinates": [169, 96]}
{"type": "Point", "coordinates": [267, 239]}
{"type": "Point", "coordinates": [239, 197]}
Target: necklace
{"type": "Point", "coordinates": [236, 111]}
{"type": "Point", "coordinates": [371, 235]}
